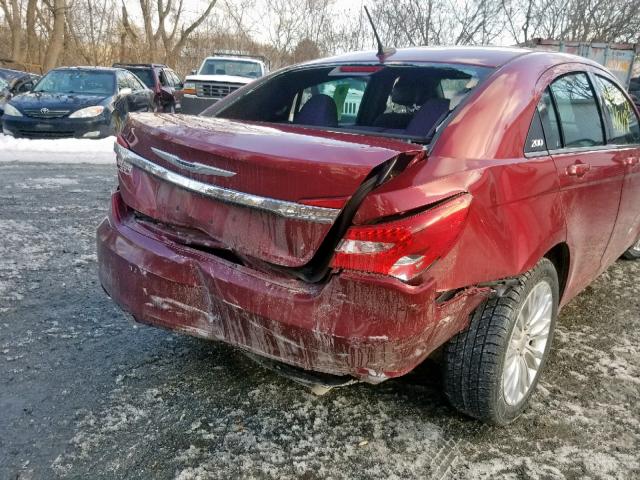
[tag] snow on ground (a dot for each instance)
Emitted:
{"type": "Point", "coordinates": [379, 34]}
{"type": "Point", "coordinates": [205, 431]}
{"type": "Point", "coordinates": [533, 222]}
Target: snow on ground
{"type": "Point", "coordinates": [66, 150]}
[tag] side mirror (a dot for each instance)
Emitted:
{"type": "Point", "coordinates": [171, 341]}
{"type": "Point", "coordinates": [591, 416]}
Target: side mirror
{"type": "Point", "coordinates": [125, 91]}
{"type": "Point", "coordinates": [179, 86]}
{"type": "Point", "coordinates": [193, 72]}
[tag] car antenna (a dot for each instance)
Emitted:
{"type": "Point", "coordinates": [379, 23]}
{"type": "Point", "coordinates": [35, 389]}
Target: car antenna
{"type": "Point", "coordinates": [381, 50]}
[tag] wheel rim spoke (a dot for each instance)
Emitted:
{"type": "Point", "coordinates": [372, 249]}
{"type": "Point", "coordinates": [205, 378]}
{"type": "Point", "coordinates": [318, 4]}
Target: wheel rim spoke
{"type": "Point", "coordinates": [513, 374]}
{"type": "Point", "coordinates": [532, 358]}
{"type": "Point", "coordinates": [523, 379]}
{"type": "Point", "coordinates": [527, 344]}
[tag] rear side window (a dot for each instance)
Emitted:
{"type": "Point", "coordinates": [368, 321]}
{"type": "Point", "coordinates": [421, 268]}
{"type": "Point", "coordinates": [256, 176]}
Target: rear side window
{"type": "Point", "coordinates": [579, 114]}
{"type": "Point", "coordinates": [165, 81]}
{"type": "Point", "coordinates": [174, 77]}
{"type": "Point", "coordinates": [549, 121]}
{"type": "Point", "coordinates": [544, 132]}
{"type": "Point", "coordinates": [622, 119]}
{"type": "Point", "coordinates": [132, 81]}
{"type": "Point", "coordinates": [535, 138]}
{"type": "Point", "coordinates": [122, 80]}
{"type": "Point", "coordinates": [144, 74]}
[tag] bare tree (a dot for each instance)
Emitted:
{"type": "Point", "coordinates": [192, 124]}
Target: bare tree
{"type": "Point", "coordinates": [439, 22]}
{"type": "Point", "coordinates": [56, 39]}
{"type": "Point", "coordinates": [291, 22]}
{"type": "Point", "coordinates": [31, 36]}
{"type": "Point", "coordinates": [573, 20]}
{"type": "Point", "coordinates": [58, 32]}
{"type": "Point", "coordinates": [91, 28]}
{"type": "Point", "coordinates": [12, 10]}
{"type": "Point", "coordinates": [172, 41]}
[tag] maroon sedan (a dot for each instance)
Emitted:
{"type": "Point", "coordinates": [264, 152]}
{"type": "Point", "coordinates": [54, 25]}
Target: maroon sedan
{"type": "Point", "coordinates": [353, 215]}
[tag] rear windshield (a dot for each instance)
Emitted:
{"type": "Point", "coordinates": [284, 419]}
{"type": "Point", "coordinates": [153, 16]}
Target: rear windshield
{"type": "Point", "coordinates": [77, 81]}
{"type": "Point", "coordinates": [238, 68]}
{"type": "Point", "coordinates": [402, 101]}
{"type": "Point", "coordinates": [144, 74]}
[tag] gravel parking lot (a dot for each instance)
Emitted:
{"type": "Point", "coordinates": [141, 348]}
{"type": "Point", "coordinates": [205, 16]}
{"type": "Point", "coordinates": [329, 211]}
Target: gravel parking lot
{"type": "Point", "coordinates": [85, 393]}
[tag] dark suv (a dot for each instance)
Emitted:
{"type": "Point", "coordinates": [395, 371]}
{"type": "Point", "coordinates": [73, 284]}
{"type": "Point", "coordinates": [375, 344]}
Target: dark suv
{"type": "Point", "coordinates": [165, 83]}
{"type": "Point", "coordinates": [14, 82]}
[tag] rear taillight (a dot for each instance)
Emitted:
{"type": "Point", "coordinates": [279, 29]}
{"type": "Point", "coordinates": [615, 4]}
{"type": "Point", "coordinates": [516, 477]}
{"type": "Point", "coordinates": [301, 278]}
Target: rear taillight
{"type": "Point", "coordinates": [121, 141]}
{"type": "Point", "coordinates": [403, 248]}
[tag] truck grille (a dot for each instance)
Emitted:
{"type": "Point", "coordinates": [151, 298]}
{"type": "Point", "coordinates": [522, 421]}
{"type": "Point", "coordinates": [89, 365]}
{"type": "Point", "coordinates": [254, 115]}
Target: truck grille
{"type": "Point", "coordinates": [46, 113]}
{"type": "Point", "coordinates": [215, 90]}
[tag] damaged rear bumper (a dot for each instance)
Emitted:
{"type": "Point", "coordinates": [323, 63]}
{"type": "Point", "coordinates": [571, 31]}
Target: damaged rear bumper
{"type": "Point", "coordinates": [365, 326]}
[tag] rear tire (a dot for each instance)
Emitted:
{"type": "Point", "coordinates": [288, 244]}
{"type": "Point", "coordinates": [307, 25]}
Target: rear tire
{"type": "Point", "coordinates": [634, 252]}
{"type": "Point", "coordinates": [492, 368]}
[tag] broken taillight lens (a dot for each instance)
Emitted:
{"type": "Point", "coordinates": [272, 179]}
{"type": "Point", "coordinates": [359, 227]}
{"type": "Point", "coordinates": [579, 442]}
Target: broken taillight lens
{"type": "Point", "coordinates": [403, 248]}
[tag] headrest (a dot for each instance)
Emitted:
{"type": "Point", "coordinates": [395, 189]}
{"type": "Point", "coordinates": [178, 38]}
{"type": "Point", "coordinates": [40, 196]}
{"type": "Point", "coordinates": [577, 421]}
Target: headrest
{"type": "Point", "coordinates": [427, 117]}
{"type": "Point", "coordinates": [320, 110]}
{"type": "Point", "coordinates": [412, 90]}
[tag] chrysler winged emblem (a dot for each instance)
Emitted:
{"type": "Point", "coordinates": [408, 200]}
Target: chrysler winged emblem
{"type": "Point", "coordinates": [192, 166]}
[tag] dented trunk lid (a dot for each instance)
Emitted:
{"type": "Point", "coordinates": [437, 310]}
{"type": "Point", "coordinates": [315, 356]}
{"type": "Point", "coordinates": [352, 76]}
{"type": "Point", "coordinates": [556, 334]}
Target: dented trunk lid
{"type": "Point", "coordinates": [265, 191]}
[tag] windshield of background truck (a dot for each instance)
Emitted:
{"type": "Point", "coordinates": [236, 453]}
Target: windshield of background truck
{"type": "Point", "coordinates": [238, 68]}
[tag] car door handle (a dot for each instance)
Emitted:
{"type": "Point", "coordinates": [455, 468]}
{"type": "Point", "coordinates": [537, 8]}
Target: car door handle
{"type": "Point", "coordinates": [631, 161]}
{"type": "Point", "coordinates": [578, 169]}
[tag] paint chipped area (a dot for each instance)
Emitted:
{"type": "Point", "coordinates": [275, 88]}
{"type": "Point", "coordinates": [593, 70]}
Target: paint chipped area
{"type": "Point", "coordinates": [86, 393]}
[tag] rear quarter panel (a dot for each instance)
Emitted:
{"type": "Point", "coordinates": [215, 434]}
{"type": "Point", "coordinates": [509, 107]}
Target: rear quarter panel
{"type": "Point", "coordinates": [516, 215]}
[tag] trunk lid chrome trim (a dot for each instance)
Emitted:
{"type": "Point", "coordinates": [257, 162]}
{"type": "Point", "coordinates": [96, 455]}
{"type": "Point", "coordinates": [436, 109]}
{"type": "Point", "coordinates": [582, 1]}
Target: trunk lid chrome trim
{"type": "Point", "coordinates": [282, 208]}
{"type": "Point", "coordinates": [192, 166]}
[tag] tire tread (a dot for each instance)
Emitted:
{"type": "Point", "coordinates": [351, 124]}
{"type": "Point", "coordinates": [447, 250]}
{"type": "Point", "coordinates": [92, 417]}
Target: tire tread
{"type": "Point", "coordinates": [472, 359]}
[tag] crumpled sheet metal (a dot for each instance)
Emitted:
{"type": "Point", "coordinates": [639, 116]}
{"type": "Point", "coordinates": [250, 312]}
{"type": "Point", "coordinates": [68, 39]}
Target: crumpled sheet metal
{"type": "Point", "coordinates": [372, 328]}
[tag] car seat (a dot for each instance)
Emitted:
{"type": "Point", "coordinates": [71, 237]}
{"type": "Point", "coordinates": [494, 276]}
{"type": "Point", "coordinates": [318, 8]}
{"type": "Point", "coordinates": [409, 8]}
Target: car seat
{"type": "Point", "coordinates": [427, 117]}
{"type": "Point", "coordinates": [320, 110]}
{"type": "Point", "coordinates": [408, 92]}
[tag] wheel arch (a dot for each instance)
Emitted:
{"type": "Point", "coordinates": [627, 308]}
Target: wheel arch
{"type": "Point", "coordinates": [560, 256]}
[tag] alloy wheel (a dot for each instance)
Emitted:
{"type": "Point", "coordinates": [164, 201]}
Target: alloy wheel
{"type": "Point", "coordinates": [528, 343]}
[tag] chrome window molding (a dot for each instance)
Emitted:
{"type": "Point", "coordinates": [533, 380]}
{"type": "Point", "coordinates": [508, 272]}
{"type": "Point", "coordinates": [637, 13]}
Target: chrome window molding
{"type": "Point", "coordinates": [570, 150]}
{"type": "Point", "coordinates": [281, 208]}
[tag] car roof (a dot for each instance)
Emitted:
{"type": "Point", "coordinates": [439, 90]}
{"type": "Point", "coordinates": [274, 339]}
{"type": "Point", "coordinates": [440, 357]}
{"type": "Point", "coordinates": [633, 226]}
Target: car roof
{"type": "Point", "coordinates": [240, 59]}
{"type": "Point", "coordinates": [90, 68]}
{"type": "Point", "coordinates": [478, 56]}
{"type": "Point", "coordinates": [140, 65]}
{"type": "Point", "coordinates": [11, 73]}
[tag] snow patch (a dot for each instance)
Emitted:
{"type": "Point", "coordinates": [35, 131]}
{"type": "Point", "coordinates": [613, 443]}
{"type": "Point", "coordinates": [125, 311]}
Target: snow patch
{"type": "Point", "coordinates": [65, 150]}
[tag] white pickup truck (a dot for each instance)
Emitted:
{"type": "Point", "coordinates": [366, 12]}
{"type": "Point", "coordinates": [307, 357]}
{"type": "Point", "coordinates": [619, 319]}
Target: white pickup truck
{"type": "Point", "coordinates": [217, 77]}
